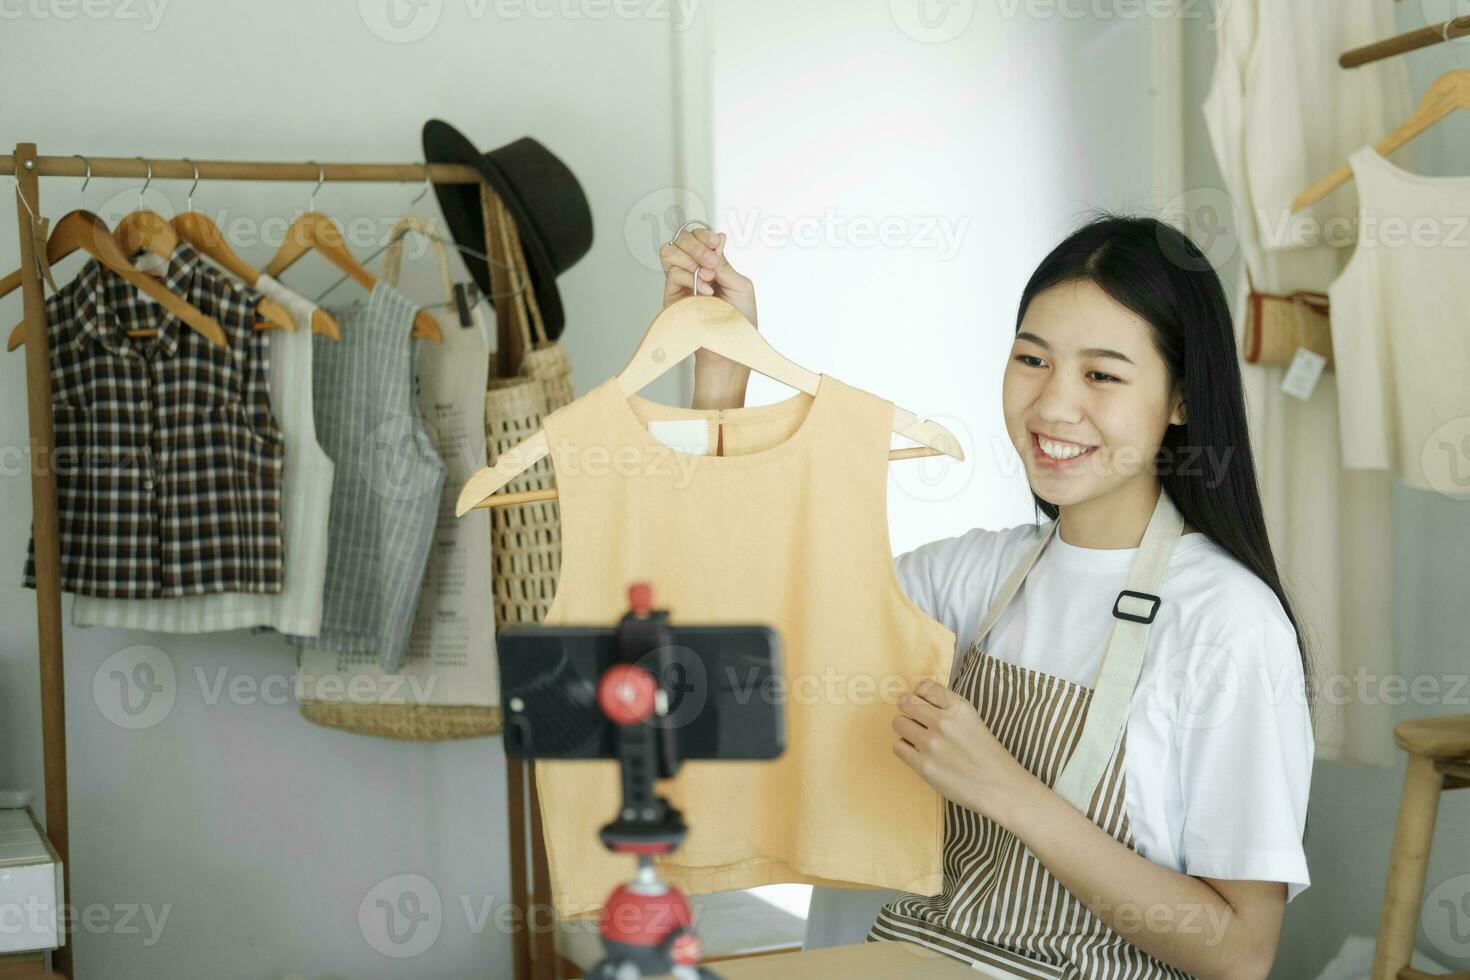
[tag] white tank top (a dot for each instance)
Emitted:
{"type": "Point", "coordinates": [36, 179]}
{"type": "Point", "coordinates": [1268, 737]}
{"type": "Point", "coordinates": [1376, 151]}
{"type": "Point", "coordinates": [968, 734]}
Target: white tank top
{"type": "Point", "coordinates": [1401, 328]}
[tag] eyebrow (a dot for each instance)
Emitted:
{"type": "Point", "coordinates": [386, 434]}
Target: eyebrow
{"type": "Point", "coordinates": [1085, 352]}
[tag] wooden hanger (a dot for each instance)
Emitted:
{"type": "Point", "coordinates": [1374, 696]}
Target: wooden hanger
{"type": "Point", "coordinates": [84, 230]}
{"type": "Point", "coordinates": [147, 231]}
{"type": "Point", "coordinates": [684, 327]}
{"type": "Point", "coordinates": [204, 235]}
{"type": "Point", "coordinates": [315, 231]}
{"type": "Point", "coordinates": [198, 230]}
{"type": "Point", "coordinates": [1449, 92]}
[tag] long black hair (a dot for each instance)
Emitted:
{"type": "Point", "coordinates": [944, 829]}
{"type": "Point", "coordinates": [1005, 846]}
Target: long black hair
{"type": "Point", "coordinates": [1205, 465]}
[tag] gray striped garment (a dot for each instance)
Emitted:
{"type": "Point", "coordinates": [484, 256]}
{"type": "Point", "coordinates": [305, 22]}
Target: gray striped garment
{"type": "Point", "coordinates": [385, 498]}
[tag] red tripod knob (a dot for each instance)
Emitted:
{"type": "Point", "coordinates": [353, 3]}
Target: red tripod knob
{"type": "Point", "coordinates": [640, 598]}
{"type": "Point", "coordinates": [644, 920]}
{"type": "Point", "coordinates": [626, 693]}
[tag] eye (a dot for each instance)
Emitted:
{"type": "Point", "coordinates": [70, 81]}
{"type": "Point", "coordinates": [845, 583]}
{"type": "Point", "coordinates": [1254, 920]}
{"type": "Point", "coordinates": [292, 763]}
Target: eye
{"type": "Point", "coordinates": [1030, 360]}
{"type": "Point", "coordinates": [1102, 376]}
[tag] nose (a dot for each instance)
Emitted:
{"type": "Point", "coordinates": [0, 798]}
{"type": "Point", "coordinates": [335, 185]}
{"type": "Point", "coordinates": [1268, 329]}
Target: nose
{"type": "Point", "coordinates": [1059, 400]}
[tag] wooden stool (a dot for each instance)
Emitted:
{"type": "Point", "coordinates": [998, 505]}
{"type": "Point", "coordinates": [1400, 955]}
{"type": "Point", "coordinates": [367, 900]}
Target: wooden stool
{"type": "Point", "coordinates": [1439, 759]}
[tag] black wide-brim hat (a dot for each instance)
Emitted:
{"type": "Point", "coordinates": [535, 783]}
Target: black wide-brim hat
{"type": "Point", "coordinates": [550, 210]}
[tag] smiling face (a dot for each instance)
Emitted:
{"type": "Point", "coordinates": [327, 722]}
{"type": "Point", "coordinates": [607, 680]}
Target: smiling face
{"type": "Point", "coordinates": [1087, 397]}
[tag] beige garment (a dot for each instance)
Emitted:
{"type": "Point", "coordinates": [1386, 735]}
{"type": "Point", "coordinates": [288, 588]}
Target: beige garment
{"type": "Point", "coordinates": [789, 528]}
{"type": "Point", "coordinates": [1281, 113]}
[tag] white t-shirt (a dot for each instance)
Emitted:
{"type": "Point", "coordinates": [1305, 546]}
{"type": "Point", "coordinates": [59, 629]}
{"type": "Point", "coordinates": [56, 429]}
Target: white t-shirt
{"type": "Point", "coordinates": [1218, 759]}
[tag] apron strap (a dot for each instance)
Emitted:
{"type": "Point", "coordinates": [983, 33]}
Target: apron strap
{"type": "Point", "coordinates": [1012, 584]}
{"type": "Point", "coordinates": [1117, 677]}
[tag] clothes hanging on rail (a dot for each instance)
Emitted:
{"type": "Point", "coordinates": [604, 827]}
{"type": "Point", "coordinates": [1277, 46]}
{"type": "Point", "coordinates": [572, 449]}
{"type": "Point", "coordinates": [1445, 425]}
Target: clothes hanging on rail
{"type": "Point", "coordinates": [783, 528]}
{"type": "Point", "coordinates": [385, 495]}
{"type": "Point", "coordinates": [168, 462]}
{"type": "Point", "coordinates": [1401, 327]}
{"type": "Point", "coordinates": [454, 623]}
{"type": "Point", "coordinates": [451, 646]}
{"type": "Point", "coordinates": [1281, 113]}
{"type": "Point", "coordinates": [306, 492]}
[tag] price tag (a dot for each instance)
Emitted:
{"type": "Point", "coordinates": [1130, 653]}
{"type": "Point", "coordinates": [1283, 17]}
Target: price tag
{"type": "Point", "coordinates": [1302, 376]}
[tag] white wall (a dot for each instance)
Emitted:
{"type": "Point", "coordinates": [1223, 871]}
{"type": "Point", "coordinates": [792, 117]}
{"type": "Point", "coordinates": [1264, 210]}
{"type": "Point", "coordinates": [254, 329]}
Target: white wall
{"type": "Point", "coordinates": [890, 204]}
{"type": "Point", "coordinates": [1353, 808]}
{"type": "Point", "coordinates": [260, 833]}
{"type": "Point", "coordinates": [891, 183]}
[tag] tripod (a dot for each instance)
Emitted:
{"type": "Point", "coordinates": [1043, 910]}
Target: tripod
{"type": "Point", "coordinates": [646, 924]}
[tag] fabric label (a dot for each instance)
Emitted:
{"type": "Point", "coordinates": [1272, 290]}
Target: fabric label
{"type": "Point", "coordinates": [150, 263]}
{"type": "Point", "coordinates": [1303, 374]}
{"type": "Point", "coordinates": [683, 435]}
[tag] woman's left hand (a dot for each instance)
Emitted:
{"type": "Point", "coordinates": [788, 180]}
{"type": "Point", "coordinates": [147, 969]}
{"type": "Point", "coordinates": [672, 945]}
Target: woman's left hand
{"type": "Point", "coordinates": [943, 739]}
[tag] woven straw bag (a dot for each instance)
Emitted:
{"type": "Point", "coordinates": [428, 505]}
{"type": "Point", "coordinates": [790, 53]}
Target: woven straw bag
{"type": "Point", "coordinates": [525, 539]}
{"type": "Point", "coordinates": [415, 722]}
{"type": "Point", "coordinates": [1276, 325]}
{"type": "Point", "coordinates": [544, 360]}
{"type": "Point", "coordinates": [410, 722]}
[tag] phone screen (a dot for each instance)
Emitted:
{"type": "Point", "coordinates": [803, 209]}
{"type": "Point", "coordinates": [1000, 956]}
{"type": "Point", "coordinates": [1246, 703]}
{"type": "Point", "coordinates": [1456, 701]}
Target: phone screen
{"type": "Point", "coordinates": [723, 692]}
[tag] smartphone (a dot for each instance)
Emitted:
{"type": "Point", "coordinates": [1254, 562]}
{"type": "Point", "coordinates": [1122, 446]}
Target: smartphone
{"type": "Point", "coordinates": [725, 699]}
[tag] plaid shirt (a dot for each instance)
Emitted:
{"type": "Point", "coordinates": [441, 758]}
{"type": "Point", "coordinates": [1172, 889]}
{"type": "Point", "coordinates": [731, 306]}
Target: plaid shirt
{"type": "Point", "coordinates": [168, 462]}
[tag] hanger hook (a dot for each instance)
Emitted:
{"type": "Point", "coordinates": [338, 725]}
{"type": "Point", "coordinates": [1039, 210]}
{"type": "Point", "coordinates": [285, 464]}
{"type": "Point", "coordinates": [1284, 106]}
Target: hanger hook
{"type": "Point", "coordinates": [321, 177]}
{"type": "Point", "coordinates": [85, 180]}
{"type": "Point", "coordinates": [428, 185]}
{"type": "Point", "coordinates": [691, 221]}
{"type": "Point", "coordinates": [146, 181]}
{"type": "Point", "coordinates": [189, 197]}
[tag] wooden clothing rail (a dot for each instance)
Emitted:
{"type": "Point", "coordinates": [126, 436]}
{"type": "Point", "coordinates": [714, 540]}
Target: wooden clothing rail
{"type": "Point", "coordinates": [1440, 33]}
{"type": "Point", "coordinates": [76, 166]}
{"type": "Point", "coordinates": [28, 167]}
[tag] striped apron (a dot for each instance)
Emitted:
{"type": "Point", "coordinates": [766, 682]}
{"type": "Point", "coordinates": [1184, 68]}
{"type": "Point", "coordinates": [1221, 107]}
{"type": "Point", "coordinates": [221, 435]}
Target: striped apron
{"type": "Point", "coordinates": [999, 907]}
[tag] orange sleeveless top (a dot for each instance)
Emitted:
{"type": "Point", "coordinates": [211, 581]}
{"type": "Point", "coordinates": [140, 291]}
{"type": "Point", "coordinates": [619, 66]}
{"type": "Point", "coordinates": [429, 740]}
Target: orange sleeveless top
{"type": "Point", "coordinates": [787, 527]}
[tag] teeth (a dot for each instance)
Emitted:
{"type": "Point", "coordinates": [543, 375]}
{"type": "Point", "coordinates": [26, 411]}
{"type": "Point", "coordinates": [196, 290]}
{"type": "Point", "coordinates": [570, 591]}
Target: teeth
{"type": "Point", "coordinates": [1060, 450]}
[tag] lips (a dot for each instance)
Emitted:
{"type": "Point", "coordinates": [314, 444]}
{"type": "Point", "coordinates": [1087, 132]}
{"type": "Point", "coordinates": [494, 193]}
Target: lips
{"type": "Point", "coordinates": [1057, 454]}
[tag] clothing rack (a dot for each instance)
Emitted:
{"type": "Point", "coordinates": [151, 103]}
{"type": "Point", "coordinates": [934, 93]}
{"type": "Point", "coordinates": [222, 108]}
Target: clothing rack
{"type": "Point", "coordinates": [28, 167]}
{"type": "Point", "coordinates": [1440, 33]}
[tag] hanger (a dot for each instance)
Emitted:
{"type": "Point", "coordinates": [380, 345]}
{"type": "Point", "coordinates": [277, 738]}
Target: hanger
{"type": "Point", "coordinates": [687, 325]}
{"type": "Point", "coordinates": [1448, 92]}
{"type": "Point", "coordinates": [401, 230]}
{"type": "Point", "coordinates": [144, 230]}
{"type": "Point", "coordinates": [81, 229]}
{"type": "Point", "coordinates": [147, 231]}
{"type": "Point", "coordinates": [196, 228]}
{"type": "Point", "coordinates": [313, 230]}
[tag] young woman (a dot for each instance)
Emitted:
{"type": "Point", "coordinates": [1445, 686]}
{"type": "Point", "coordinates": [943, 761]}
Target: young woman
{"type": "Point", "coordinates": [1143, 820]}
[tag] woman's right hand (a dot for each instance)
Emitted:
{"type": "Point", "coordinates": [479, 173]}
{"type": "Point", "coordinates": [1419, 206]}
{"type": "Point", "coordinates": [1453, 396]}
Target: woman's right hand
{"type": "Point", "coordinates": [696, 260]}
{"type": "Point", "coordinates": [702, 252]}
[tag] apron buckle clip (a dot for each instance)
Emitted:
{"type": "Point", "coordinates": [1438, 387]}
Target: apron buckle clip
{"type": "Point", "coordinates": [1153, 611]}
